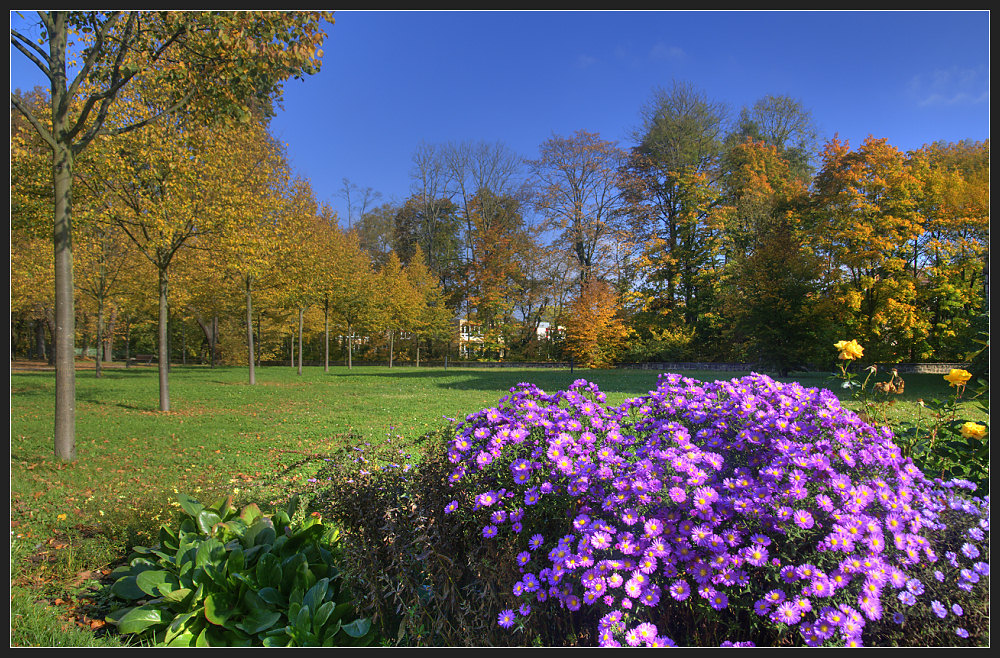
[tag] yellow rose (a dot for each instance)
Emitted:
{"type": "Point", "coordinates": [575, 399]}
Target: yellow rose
{"type": "Point", "coordinates": [972, 430]}
{"type": "Point", "coordinates": [849, 350]}
{"type": "Point", "coordinates": [958, 377]}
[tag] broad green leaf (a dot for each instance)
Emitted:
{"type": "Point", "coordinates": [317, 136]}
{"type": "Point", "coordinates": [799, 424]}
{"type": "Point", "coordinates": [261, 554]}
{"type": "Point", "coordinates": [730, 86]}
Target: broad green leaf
{"type": "Point", "coordinates": [126, 588]}
{"type": "Point", "coordinates": [323, 613]}
{"type": "Point", "coordinates": [157, 582]}
{"type": "Point", "coordinates": [269, 571]}
{"type": "Point", "coordinates": [316, 594]}
{"type": "Point", "coordinates": [177, 595]}
{"type": "Point", "coordinates": [250, 514]}
{"type": "Point", "coordinates": [258, 621]}
{"type": "Point", "coordinates": [235, 562]}
{"type": "Point", "coordinates": [139, 619]}
{"type": "Point", "coordinates": [209, 552]}
{"type": "Point", "coordinates": [218, 608]}
{"type": "Point", "coordinates": [184, 639]}
{"type": "Point", "coordinates": [190, 505]}
{"type": "Point", "coordinates": [207, 519]}
{"type": "Point", "coordinates": [272, 596]}
{"type": "Point", "coordinates": [358, 627]}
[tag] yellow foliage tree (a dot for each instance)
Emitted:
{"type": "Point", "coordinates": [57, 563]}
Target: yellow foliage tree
{"type": "Point", "coordinates": [595, 332]}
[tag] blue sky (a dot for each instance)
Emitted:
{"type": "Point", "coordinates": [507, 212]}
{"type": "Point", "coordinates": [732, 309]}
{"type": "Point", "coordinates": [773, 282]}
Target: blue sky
{"type": "Point", "coordinates": [392, 79]}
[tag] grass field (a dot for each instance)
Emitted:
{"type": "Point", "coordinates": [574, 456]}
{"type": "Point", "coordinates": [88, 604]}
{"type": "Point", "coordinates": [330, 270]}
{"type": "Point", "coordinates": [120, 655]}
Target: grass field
{"type": "Point", "coordinates": [71, 521]}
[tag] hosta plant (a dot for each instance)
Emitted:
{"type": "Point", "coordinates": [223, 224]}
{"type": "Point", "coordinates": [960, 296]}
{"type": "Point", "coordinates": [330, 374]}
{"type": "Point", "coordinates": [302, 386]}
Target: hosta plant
{"type": "Point", "coordinates": [228, 577]}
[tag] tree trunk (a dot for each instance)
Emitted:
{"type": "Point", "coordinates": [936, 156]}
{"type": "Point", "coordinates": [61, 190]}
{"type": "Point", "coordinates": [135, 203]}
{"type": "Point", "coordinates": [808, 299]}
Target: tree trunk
{"type": "Point", "coordinates": [40, 339]}
{"type": "Point", "coordinates": [213, 343]}
{"type": "Point", "coordinates": [100, 338]}
{"type": "Point", "coordinates": [391, 333]}
{"type": "Point", "coordinates": [164, 347]}
{"type": "Point", "coordinates": [300, 341]}
{"type": "Point", "coordinates": [258, 337]}
{"type": "Point", "coordinates": [350, 345]}
{"type": "Point", "coordinates": [65, 329]}
{"type": "Point", "coordinates": [326, 335]}
{"type": "Point", "coordinates": [128, 343]}
{"type": "Point", "coordinates": [109, 343]}
{"type": "Point", "coordinates": [253, 374]}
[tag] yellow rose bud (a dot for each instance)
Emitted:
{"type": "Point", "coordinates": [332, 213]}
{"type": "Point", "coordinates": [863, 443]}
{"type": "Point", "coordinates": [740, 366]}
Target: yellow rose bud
{"type": "Point", "coordinates": [972, 430]}
{"type": "Point", "coordinates": [957, 377]}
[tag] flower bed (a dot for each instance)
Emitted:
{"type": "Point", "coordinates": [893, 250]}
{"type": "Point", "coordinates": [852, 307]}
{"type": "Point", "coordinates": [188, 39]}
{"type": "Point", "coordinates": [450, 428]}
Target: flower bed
{"type": "Point", "coordinates": [736, 512]}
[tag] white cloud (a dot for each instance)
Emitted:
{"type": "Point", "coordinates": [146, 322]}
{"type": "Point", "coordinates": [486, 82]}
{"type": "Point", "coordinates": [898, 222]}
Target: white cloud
{"type": "Point", "coordinates": [951, 86]}
{"type": "Point", "coordinates": [661, 50]}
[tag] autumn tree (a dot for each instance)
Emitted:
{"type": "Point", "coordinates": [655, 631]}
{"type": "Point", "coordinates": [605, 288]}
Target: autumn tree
{"type": "Point", "coordinates": [577, 181]}
{"type": "Point", "coordinates": [161, 203]}
{"type": "Point", "coordinates": [351, 297]}
{"type": "Point", "coordinates": [213, 63]}
{"type": "Point", "coordinates": [499, 234]}
{"type": "Point", "coordinates": [257, 236]}
{"type": "Point", "coordinates": [672, 191]}
{"type": "Point", "coordinates": [595, 332]}
{"type": "Point", "coordinates": [950, 259]}
{"type": "Point", "coordinates": [432, 319]}
{"type": "Point", "coordinates": [867, 214]}
{"type": "Point", "coordinates": [784, 123]}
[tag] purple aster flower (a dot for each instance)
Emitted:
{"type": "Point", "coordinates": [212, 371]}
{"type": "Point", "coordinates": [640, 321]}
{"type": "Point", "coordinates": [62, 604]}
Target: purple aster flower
{"type": "Point", "coordinates": [787, 613]}
{"type": "Point", "coordinates": [490, 531]}
{"type": "Point", "coordinates": [939, 609]}
{"type": "Point", "coordinates": [970, 551]}
{"type": "Point", "coordinates": [961, 632]}
{"type": "Point", "coordinates": [506, 618]}
{"type": "Point", "coordinates": [451, 507]}
{"type": "Point", "coordinates": [906, 597]}
{"type": "Point", "coordinates": [680, 590]}
{"type": "Point", "coordinates": [957, 609]}
{"type": "Point", "coordinates": [803, 519]}
{"type": "Point", "coordinates": [535, 542]}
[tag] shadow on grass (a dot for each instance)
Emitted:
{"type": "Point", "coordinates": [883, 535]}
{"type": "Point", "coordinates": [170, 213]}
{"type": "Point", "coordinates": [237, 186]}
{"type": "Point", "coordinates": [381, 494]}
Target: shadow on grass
{"type": "Point", "coordinates": [627, 382]}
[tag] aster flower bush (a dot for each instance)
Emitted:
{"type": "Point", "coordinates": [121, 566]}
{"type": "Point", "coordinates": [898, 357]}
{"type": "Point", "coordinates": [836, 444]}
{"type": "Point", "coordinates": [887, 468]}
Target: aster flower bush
{"type": "Point", "coordinates": [728, 513]}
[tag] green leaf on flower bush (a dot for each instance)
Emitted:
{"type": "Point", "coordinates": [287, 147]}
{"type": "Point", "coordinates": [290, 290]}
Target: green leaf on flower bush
{"type": "Point", "coordinates": [269, 571]}
{"type": "Point", "coordinates": [358, 627]}
{"type": "Point", "coordinates": [190, 505]}
{"type": "Point", "coordinates": [218, 608]}
{"type": "Point", "coordinates": [316, 594]}
{"type": "Point", "coordinates": [126, 588]}
{"type": "Point", "coordinates": [258, 621]}
{"type": "Point", "coordinates": [157, 582]}
{"type": "Point", "coordinates": [178, 595]}
{"type": "Point", "coordinates": [322, 614]}
{"type": "Point", "coordinates": [139, 619]}
{"type": "Point", "coordinates": [206, 520]}
{"type": "Point", "coordinates": [272, 596]}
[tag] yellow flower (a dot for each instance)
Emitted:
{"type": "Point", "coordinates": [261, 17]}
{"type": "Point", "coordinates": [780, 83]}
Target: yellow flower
{"type": "Point", "coordinates": [958, 377]}
{"type": "Point", "coordinates": [849, 350]}
{"type": "Point", "coordinates": [972, 430]}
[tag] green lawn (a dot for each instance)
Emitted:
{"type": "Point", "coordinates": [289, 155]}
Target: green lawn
{"type": "Point", "coordinates": [225, 436]}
